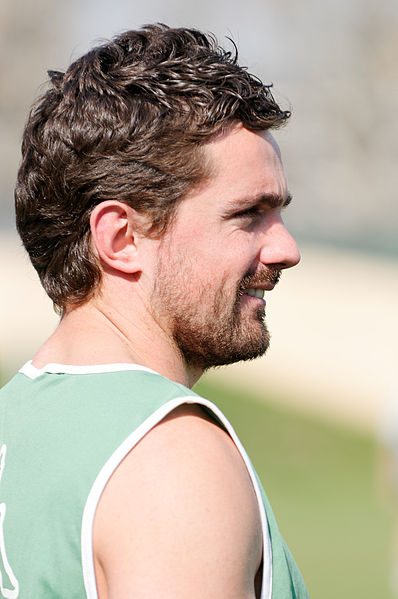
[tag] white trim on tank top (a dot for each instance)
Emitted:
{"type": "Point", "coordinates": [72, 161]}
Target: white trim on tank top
{"type": "Point", "coordinates": [54, 368]}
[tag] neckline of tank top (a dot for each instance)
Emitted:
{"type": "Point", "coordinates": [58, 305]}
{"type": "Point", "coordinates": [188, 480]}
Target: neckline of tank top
{"type": "Point", "coordinates": [33, 372]}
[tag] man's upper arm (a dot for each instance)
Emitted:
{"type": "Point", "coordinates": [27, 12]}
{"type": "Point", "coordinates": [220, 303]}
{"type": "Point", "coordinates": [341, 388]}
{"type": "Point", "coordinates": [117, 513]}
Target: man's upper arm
{"type": "Point", "coordinates": [179, 517]}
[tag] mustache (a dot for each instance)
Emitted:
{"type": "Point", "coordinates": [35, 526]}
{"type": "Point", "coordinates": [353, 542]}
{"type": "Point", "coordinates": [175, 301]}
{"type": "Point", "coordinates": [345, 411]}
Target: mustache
{"type": "Point", "coordinates": [264, 277]}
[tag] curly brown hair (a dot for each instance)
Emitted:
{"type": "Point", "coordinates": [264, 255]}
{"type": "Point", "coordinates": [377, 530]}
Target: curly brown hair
{"type": "Point", "coordinates": [127, 121]}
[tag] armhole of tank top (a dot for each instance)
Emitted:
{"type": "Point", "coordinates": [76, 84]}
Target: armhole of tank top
{"type": "Point", "coordinates": [87, 555]}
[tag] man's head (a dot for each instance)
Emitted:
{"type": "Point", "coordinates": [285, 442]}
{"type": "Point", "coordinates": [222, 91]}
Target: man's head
{"type": "Point", "coordinates": [128, 121]}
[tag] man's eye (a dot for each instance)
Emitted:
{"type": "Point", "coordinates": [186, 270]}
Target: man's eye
{"type": "Point", "coordinates": [249, 212]}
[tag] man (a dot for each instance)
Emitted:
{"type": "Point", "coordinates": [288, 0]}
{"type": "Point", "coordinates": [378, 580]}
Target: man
{"type": "Point", "coordinates": [149, 199]}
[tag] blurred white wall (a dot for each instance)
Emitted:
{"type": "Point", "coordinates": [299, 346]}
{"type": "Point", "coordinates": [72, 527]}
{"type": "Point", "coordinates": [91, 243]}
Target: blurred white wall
{"type": "Point", "coordinates": [26, 314]}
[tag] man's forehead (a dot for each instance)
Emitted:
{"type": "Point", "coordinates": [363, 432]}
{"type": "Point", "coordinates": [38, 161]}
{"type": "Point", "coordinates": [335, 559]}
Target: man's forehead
{"type": "Point", "coordinates": [239, 146]}
{"type": "Point", "coordinates": [247, 163]}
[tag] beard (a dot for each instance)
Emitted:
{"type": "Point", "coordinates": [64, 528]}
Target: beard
{"type": "Point", "coordinates": [211, 327]}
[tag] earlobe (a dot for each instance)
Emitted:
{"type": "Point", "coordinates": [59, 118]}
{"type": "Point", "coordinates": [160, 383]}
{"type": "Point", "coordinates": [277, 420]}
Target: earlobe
{"type": "Point", "coordinates": [114, 236]}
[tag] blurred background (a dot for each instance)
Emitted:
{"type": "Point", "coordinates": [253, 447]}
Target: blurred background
{"type": "Point", "coordinates": [318, 414]}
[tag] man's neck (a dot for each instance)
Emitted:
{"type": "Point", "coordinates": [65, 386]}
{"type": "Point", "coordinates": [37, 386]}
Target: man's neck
{"type": "Point", "coordinates": [91, 335]}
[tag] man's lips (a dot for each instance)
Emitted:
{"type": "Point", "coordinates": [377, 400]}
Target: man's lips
{"type": "Point", "coordinates": [255, 293]}
{"type": "Point", "coordinates": [255, 285]}
{"type": "Point", "coordinates": [258, 291]}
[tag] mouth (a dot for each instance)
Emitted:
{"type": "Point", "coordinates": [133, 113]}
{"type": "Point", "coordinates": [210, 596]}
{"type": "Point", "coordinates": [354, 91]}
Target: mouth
{"type": "Point", "coordinates": [255, 293]}
{"type": "Point", "coordinates": [254, 296]}
{"type": "Point", "coordinates": [255, 285]}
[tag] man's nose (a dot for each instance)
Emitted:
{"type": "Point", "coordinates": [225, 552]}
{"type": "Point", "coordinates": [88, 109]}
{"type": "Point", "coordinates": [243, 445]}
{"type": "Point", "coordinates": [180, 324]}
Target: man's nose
{"type": "Point", "coordinates": [279, 247]}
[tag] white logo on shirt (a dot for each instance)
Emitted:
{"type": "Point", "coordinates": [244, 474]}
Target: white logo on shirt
{"type": "Point", "coordinates": [14, 591]}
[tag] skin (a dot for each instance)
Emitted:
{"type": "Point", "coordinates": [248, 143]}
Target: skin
{"type": "Point", "coordinates": [182, 504]}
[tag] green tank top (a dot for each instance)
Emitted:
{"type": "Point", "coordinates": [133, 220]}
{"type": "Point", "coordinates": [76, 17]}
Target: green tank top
{"type": "Point", "coordinates": [63, 432]}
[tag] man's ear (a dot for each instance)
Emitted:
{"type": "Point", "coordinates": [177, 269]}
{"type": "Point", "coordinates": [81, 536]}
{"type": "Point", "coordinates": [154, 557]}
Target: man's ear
{"type": "Point", "coordinates": [115, 230]}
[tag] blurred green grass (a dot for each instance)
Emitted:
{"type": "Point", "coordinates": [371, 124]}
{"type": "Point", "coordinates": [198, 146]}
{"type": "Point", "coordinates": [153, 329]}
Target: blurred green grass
{"type": "Point", "coordinates": [321, 482]}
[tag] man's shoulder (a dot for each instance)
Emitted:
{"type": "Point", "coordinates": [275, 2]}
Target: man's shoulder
{"type": "Point", "coordinates": [185, 492]}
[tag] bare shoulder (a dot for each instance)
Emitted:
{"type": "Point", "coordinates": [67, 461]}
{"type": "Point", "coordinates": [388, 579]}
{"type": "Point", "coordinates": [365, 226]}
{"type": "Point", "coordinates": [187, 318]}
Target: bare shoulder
{"type": "Point", "coordinates": [180, 504]}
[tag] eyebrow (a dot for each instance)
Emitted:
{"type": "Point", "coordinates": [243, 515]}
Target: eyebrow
{"type": "Point", "coordinates": [275, 200]}
{"type": "Point", "coordinates": [272, 200]}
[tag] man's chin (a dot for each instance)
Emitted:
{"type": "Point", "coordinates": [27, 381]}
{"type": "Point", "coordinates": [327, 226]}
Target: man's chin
{"type": "Point", "coordinates": [244, 337]}
{"type": "Point", "coordinates": [232, 354]}
{"type": "Point", "coordinates": [249, 352]}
